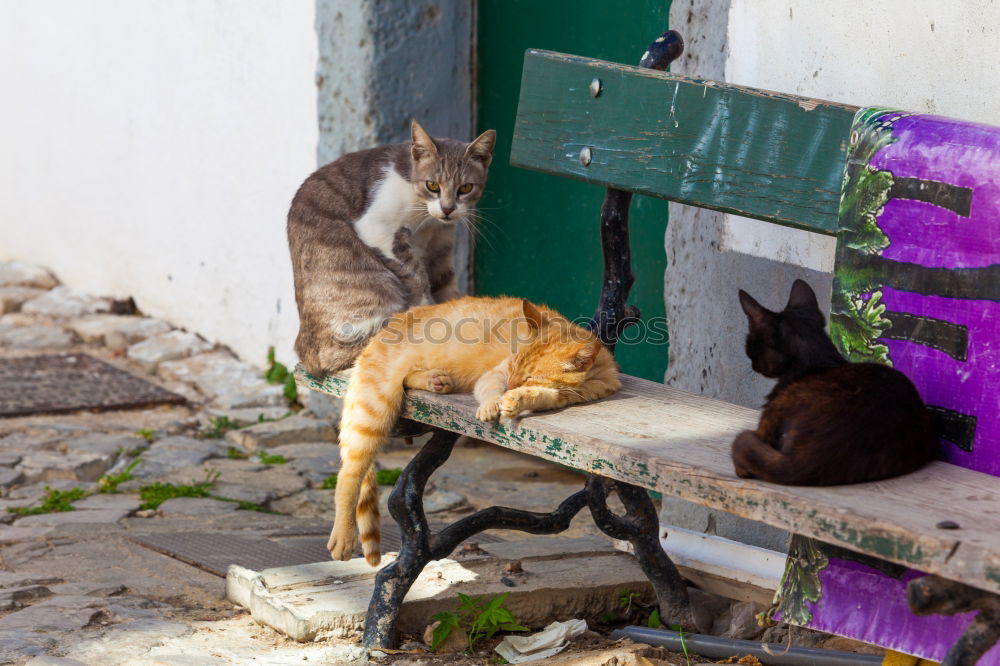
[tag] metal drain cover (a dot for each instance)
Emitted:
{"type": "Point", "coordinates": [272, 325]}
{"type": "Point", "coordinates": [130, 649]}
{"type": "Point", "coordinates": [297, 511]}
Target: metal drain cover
{"type": "Point", "coordinates": [214, 552]}
{"type": "Point", "coordinates": [56, 383]}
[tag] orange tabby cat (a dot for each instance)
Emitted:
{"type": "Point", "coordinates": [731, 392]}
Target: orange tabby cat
{"type": "Point", "coordinates": [513, 355]}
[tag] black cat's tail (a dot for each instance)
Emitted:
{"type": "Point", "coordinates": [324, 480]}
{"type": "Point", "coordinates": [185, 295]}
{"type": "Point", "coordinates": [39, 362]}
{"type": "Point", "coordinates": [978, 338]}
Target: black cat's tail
{"type": "Point", "coordinates": [756, 459]}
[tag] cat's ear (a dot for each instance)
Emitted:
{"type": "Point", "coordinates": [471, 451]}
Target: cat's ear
{"type": "Point", "coordinates": [802, 296]}
{"type": "Point", "coordinates": [482, 147]}
{"type": "Point", "coordinates": [532, 314]}
{"type": "Point", "coordinates": [422, 145]}
{"type": "Point", "coordinates": [756, 313]}
{"type": "Point", "coordinates": [586, 356]}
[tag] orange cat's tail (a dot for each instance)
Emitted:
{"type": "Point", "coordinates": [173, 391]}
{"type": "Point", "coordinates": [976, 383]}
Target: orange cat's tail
{"type": "Point", "coordinates": [369, 521]}
{"type": "Point", "coordinates": [371, 406]}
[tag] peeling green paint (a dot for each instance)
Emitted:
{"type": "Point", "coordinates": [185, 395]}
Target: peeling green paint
{"type": "Point", "coordinates": [729, 495]}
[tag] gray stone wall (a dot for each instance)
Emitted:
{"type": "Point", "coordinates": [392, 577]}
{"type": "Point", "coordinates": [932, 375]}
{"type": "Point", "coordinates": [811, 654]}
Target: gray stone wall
{"type": "Point", "coordinates": [385, 62]}
{"type": "Point", "coordinates": [707, 326]}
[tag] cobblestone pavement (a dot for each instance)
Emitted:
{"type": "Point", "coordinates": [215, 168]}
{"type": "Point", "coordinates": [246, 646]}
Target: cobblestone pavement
{"type": "Point", "coordinates": [75, 589]}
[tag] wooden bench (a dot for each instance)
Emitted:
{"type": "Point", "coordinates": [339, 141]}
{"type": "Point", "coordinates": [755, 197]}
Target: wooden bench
{"type": "Point", "coordinates": [770, 156]}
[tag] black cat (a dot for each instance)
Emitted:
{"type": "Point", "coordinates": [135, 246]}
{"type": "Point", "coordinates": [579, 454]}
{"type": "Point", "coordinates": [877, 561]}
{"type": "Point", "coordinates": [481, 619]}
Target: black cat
{"type": "Point", "coordinates": [827, 421]}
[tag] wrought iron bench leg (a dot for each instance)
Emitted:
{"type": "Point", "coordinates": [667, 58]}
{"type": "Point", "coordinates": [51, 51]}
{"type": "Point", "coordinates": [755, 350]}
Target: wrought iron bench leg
{"type": "Point", "coordinates": [641, 527]}
{"type": "Point", "coordinates": [931, 595]}
{"type": "Point", "coordinates": [419, 546]}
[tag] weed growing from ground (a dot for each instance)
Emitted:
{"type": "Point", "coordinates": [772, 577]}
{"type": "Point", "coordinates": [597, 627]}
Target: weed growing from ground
{"type": "Point", "coordinates": [680, 632]}
{"type": "Point", "coordinates": [481, 619]}
{"type": "Point", "coordinates": [329, 483]}
{"type": "Point", "coordinates": [387, 477]}
{"type": "Point", "coordinates": [147, 434]}
{"type": "Point", "coordinates": [217, 428]}
{"type": "Point", "coordinates": [269, 459]}
{"type": "Point", "coordinates": [236, 454]}
{"type": "Point", "coordinates": [267, 419]}
{"type": "Point", "coordinates": [278, 373]}
{"type": "Point", "coordinates": [157, 493]}
{"type": "Point", "coordinates": [53, 501]}
{"type": "Point", "coordinates": [109, 482]}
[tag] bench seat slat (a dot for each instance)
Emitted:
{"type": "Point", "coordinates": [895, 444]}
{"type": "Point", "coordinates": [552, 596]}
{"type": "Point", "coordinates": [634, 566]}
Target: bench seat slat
{"type": "Point", "coordinates": [740, 150]}
{"type": "Point", "coordinates": [676, 442]}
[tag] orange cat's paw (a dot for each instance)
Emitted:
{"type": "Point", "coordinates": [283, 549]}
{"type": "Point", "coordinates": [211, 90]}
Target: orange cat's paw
{"type": "Point", "coordinates": [341, 544]}
{"type": "Point", "coordinates": [513, 403]}
{"type": "Point", "coordinates": [439, 381]}
{"type": "Point", "coordinates": [489, 410]}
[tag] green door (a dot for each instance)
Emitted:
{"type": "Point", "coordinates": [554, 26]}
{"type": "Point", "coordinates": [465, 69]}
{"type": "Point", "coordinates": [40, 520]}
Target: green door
{"type": "Point", "coordinates": [541, 235]}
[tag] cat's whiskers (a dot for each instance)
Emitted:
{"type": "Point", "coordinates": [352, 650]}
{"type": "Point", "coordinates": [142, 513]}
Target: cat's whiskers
{"type": "Point", "coordinates": [476, 233]}
{"type": "Point", "coordinates": [482, 228]}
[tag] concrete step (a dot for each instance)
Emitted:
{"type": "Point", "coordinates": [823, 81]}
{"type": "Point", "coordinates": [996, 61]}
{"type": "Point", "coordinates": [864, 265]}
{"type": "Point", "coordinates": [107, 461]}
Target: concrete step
{"type": "Point", "coordinates": [562, 579]}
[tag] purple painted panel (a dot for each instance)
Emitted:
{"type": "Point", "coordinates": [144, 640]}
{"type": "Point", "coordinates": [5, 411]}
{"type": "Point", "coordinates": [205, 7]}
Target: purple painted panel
{"type": "Point", "coordinates": [964, 155]}
{"type": "Point", "coordinates": [868, 605]}
{"type": "Point", "coordinates": [917, 285]}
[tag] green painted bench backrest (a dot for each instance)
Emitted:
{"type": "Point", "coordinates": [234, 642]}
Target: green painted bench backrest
{"type": "Point", "coordinates": [751, 152]}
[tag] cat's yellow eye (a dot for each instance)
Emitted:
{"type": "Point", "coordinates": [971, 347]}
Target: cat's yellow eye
{"type": "Point", "coordinates": [465, 189]}
{"type": "Point", "coordinates": [432, 186]}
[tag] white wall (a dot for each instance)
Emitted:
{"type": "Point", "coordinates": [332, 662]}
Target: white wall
{"type": "Point", "coordinates": [917, 55]}
{"type": "Point", "coordinates": [152, 148]}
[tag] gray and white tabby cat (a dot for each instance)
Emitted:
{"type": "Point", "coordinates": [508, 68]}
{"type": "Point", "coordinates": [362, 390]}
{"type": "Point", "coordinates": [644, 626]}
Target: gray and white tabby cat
{"type": "Point", "coordinates": [373, 233]}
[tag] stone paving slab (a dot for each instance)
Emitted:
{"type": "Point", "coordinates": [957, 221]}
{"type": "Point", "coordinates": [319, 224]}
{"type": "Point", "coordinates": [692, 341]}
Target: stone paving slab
{"type": "Point", "coordinates": [243, 493]}
{"type": "Point", "coordinates": [280, 480]}
{"type": "Point", "coordinates": [562, 579]}
{"type": "Point", "coordinates": [12, 298]}
{"type": "Point", "coordinates": [36, 337]}
{"type": "Point", "coordinates": [196, 506]}
{"type": "Point", "coordinates": [245, 416]}
{"type": "Point", "coordinates": [164, 347]}
{"type": "Point", "coordinates": [19, 534]}
{"type": "Point", "coordinates": [35, 491]}
{"type": "Point", "coordinates": [127, 329]}
{"type": "Point", "coordinates": [227, 381]}
{"type": "Point", "coordinates": [115, 502]}
{"type": "Point", "coordinates": [47, 660]}
{"type": "Point", "coordinates": [9, 459]}
{"type": "Point", "coordinates": [49, 618]}
{"type": "Point", "coordinates": [94, 516]}
{"type": "Point", "coordinates": [14, 597]}
{"type": "Point", "coordinates": [72, 465]}
{"type": "Point", "coordinates": [21, 644]}
{"type": "Point", "coordinates": [10, 579]}
{"type": "Point", "coordinates": [17, 273]}
{"type": "Point", "coordinates": [62, 301]}
{"type": "Point", "coordinates": [286, 431]}
{"type": "Point", "coordinates": [172, 454]}
{"type": "Point", "coordinates": [111, 445]}
{"type": "Point", "coordinates": [10, 477]}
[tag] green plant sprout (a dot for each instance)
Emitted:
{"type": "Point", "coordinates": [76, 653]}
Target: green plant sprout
{"type": "Point", "coordinates": [387, 477]}
{"type": "Point", "coordinates": [108, 483]}
{"type": "Point", "coordinates": [277, 373]}
{"type": "Point", "coordinates": [271, 459]}
{"type": "Point", "coordinates": [481, 619]}
{"type": "Point", "coordinates": [218, 427]}
{"type": "Point", "coordinates": [53, 501]}
{"type": "Point", "coordinates": [680, 634]}
{"type": "Point", "coordinates": [155, 494]}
